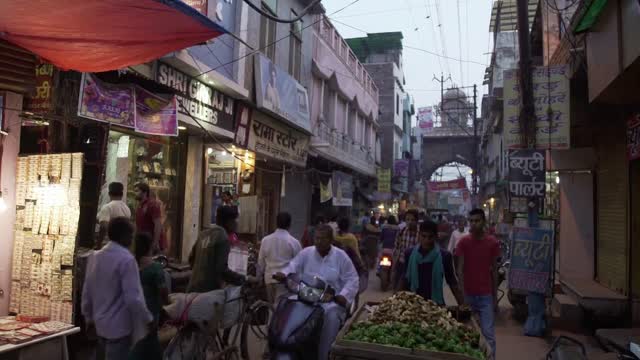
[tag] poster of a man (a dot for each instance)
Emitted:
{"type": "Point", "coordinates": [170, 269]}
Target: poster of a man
{"type": "Point", "coordinates": [271, 92]}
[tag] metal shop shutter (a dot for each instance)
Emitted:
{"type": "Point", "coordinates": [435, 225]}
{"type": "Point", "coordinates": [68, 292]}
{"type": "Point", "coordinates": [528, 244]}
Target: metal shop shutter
{"type": "Point", "coordinates": [612, 195]}
{"type": "Point", "coordinates": [17, 68]}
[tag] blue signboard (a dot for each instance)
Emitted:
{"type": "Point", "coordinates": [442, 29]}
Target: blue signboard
{"type": "Point", "coordinates": [531, 259]}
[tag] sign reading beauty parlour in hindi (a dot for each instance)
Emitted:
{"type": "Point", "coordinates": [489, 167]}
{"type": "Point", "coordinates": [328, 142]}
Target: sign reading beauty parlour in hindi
{"type": "Point", "coordinates": [526, 179]}
{"type": "Point", "coordinates": [278, 141]}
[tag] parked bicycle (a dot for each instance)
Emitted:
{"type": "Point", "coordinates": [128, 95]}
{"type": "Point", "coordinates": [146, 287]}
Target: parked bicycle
{"type": "Point", "coordinates": [226, 336]}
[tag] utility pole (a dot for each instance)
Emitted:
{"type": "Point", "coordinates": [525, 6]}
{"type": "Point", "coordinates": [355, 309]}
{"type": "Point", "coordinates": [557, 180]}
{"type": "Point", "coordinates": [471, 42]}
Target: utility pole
{"type": "Point", "coordinates": [475, 143]}
{"type": "Point", "coordinates": [442, 80]}
{"type": "Point", "coordinates": [527, 118]}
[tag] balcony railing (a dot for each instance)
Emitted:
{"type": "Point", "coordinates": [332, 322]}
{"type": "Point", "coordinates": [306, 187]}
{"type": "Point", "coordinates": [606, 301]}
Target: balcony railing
{"type": "Point", "coordinates": [344, 143]}
{"type": "Point", "coordinates": [332, 38]}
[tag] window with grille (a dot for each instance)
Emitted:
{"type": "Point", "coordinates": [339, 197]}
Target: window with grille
{"type": "Point", "coordinates": [268, 31]}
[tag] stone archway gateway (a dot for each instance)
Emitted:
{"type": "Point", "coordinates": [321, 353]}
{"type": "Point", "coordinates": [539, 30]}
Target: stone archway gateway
{"type": "Point", "coordinates": [447, 145]}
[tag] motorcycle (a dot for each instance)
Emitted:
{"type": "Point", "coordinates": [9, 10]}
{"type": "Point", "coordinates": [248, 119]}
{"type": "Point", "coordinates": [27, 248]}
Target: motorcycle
{"type": "Point", "coordinates": [384, 268]}
{"type": "Point", "coordinates": [296, 323]}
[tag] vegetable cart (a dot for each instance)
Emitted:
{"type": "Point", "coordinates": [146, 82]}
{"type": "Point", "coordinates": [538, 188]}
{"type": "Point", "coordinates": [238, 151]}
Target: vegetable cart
{"type": "Point", "coordinates": [344, 349]}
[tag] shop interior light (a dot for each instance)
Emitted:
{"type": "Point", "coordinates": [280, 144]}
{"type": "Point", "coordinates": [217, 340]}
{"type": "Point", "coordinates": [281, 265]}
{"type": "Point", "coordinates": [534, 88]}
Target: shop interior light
{"type": "Point", "coordinates": [471, 171]}
{"type": "Point", "coordinates": [223, 153]}
{"type": "Point", "coordinates": [246, 156]}
{"type": "Point", "coordinates": [485, 205]}
{"type": "Point", "coordinates": [3, 204]}
{"type": "Point", "coordinates": [209, 151]}
{"type": "Point", "coordinates": [492, 201]}
{"type": "Point", "coordinates": [182, 128]}
{"type": "Point", "coordinates": [557, 179]}
{"type": "Point", "coordinates": [381, 206]}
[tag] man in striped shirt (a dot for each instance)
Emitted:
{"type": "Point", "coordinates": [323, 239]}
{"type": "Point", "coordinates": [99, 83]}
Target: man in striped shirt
{"type": "Point", "coordinates": [407, 239]}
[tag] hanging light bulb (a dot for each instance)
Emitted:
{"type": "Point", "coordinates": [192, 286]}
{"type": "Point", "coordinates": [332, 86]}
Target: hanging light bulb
{"type": "Point", "coordinates": [3, 204]}
{"type": "Point", "coordinates": [209, 151]}
{"type": "Point", "coordinates": [246, 156]}
{"type": "Point", "coordinates": [223, 153]}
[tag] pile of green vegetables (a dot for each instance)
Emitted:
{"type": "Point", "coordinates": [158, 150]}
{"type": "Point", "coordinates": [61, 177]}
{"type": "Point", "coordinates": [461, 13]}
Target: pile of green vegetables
{"type": "Point", "coordinates": [407, 320]}
{"type": "Point", "coordinates": [415, 336]}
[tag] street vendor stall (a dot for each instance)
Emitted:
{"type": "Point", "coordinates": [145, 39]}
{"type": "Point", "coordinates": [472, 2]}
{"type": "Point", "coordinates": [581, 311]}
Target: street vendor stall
{"type": "Point", "coordinates": [405, 326]}
{"type": "Point", "coordinates": [29, 340]}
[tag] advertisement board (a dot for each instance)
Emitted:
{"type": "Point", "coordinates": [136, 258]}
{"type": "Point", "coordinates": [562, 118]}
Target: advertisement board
{"type": "Point", "coordinates": [280, 94]}
{"type": "Point", "coordinates": [436, 186]}
{"type": "Point", "coordinates": [531, 259]}
{"type": "Point", "coordinates": [342, 189]}
{"type": "Point", "coordinates": [552, 108]}
{"type": "Point", "coordinates": [527, 179]}
{"type": "Point", "coordinates": [384, 180]}
{"type": "Point", "coordinates": [269, 137]}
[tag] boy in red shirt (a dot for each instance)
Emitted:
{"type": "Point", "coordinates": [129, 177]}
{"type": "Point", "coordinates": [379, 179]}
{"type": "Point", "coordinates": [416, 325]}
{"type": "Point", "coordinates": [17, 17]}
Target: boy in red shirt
{"type": "Point", "coordinates": [478, 253]}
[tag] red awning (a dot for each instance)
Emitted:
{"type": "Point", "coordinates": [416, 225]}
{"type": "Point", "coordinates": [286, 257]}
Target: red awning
{"type": "Point", "coordinates": [103, 35]}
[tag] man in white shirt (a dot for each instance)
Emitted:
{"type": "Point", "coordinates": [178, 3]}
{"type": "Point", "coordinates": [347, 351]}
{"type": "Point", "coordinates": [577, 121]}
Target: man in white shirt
{"type": "Point", "coordinates": [112, 298]}
{"type": "Point", "coordinates": [276, 251]}
{"type": "Point", "coordinates": [334, 267]}
{"type": "Point", "coordinates": [456, 235]}
{"type": "Point", "coordinates": [114, 209]}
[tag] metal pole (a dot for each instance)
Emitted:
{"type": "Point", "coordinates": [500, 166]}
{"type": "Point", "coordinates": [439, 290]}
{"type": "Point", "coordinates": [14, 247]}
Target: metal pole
{"type": "Point", "coordinates": [475, 142]}
{"type": "Point", "coordinates": [527, 118]}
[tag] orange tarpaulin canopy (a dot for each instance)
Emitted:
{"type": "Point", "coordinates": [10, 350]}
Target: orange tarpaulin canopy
{"type": "Point", "coordinates": [103, 35]}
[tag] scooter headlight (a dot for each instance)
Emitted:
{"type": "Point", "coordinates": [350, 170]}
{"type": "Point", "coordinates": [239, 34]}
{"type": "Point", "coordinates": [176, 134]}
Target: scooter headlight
{"type": "Point", "coordinates": [309, 294]}
{"type": "Point", "coordinates": [385, 261]}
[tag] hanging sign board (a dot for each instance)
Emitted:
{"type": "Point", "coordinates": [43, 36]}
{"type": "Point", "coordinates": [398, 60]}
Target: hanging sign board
{"type": "Point", "coordinates": [342, 189]}
{"type": "Point", "coordinates": [526, 179]}
{"type": "Point", "coordinates": [531, 259]}
{"type": "Point", "coordinates": [552, 108]}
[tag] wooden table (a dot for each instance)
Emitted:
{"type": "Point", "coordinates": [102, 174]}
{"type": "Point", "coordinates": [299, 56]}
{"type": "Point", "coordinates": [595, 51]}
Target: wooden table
{"type": "Point", "coordinates": [43, 345]}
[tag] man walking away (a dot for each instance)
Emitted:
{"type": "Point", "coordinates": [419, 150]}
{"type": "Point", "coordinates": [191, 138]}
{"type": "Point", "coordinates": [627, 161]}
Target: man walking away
{"type": "Point", "coordinates": [209, 256]}
{"type": "Point", "coordinates": [149, 216]}
{"type": "Point", "coordinates": [478, 253]}
{"type": "Point", "coordinates": [113, 209]}
{"type": "Point", "coordinates": [276, 251]}
{"type": "Point", "coordinates": [112, 298]}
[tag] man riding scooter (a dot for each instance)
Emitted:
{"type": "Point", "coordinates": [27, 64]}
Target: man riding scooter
{"type": "Point", "coordinates": [388, 238]}
{"type": "Point", "coordinates": [334, 267]}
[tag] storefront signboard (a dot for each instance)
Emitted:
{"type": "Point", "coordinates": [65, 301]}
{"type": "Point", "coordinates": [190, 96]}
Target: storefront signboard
{"type": "Point", "coordinates": [270, 137]}
{"type": "Point", "coordinates": [243, 119]}
{"type": "Point", "coordinates": [281, 95]}
{"type": "Point", "coordinates": [199, 101]}
{"type": "Point", "coordinates": [527, 181]}
{"type": "Point", "coordinates": [112, 103]}
{"type": "Point", "coordinates": [155, 115]}
{"type": "Point", "coordinates": [384, 180]}
{"type": "Point", "coordinates": [342, 189]}
{"type": "Point", "coordinates": [633, 137]}
{"type": "Point", "coordinates": [41, 100]}
{"type": "Point", "coordinates": [437, 186]}
{"type": "Point", "coordinates": [531, 259]}
{"type": "Point", "coordinates": [552, 108]}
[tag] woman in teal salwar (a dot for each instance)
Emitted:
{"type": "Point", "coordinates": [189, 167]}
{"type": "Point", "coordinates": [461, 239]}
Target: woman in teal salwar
{"type": "Point", "coordinates": [156, 294]}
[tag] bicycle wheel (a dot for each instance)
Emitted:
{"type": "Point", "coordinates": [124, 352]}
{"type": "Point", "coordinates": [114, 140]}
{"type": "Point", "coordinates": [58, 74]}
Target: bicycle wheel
{"type": "Point", "coordinates": [255, 328]}
{"type": "Point", "coordinates": [191, 343]}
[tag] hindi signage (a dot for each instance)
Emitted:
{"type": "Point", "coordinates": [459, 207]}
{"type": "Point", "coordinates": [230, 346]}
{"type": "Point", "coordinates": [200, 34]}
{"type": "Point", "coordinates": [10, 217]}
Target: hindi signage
{"type": "Point", "coordinates": [401, 168]}
{"type": "Point", "coordinates": [633, 137]}
{"type": "Point", "coordinates": [527, 179]}
{"type": "Point", "coordinates": [276, 140]}
{"type": "Point", "coordinates": [384, 180]}
{"type": "Point", "coordinates": [112, 103]}
{"type": "Point", "coordinates": [437, 186]}
{"type": "Point", "coordinates": [200, 5]}
{"type": "Point", "coordinates": [41, 100]}
{"type": "Point", "coordinates": [243, 119]}
{"type": "Point", "coordinates": [342, 189]}
{"type": "Point", "coordinates": [280, 94]}
{"type": "Point", "coordinates": [195, 98]}
{"type": "Point", "coordinates": [552, 108]}
{"type": "Point", "coordinates": [531, 259]}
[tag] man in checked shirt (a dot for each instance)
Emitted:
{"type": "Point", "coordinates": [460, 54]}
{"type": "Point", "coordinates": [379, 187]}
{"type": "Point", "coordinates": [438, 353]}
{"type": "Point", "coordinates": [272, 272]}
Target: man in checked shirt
{"type": "Point", "coordinates": [407, 239]}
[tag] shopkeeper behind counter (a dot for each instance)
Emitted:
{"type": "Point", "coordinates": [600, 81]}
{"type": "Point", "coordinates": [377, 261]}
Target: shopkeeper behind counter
{"type": "Point", "coordinates": [427, 265]}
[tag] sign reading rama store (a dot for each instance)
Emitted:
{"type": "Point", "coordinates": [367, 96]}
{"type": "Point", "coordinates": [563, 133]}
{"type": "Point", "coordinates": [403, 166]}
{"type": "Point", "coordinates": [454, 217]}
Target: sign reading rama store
{"type": "Point", "coordinates": [281, 95]}
{"type": "Point", "coordinates": [199, 100]}
{"type": "Point", "coordinates": [531, 259]}
{"type": "Point", "coordinates": [552, 108]}
{"type": "Point", "coordinates": [527, 179]}
{"type": "Point", "coordinates": [270, 138]}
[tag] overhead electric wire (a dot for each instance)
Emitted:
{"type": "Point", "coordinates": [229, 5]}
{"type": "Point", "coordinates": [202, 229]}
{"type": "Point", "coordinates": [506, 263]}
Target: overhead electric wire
{"type": "Point", "coordinates": [460, 41]}
{"type": "Point", "coordinates": [275, 41]}
{"type": "Point", "coordinates": [442, 37]}
{"type": "Point", "coordinates": [277, 19]}
{"type": "Point", "coordinates": [427, 5]}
